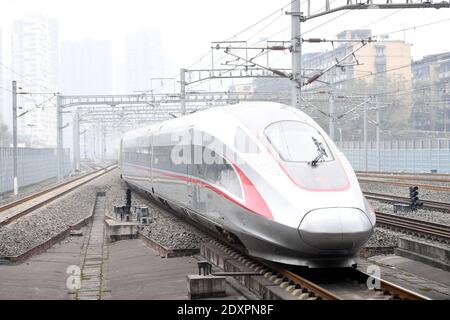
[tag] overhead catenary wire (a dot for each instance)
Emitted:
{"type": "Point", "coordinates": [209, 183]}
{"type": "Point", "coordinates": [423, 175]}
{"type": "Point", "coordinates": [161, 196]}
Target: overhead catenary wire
{"type": "Point", "coordinates": [244, 30]}
{"type": "Point", "coordinates": [265, 39]}
{"type": "Point", "coordinates": [24, 78]}
{"type": "Point", "coordinates": [36, 106]}
{"type": "Point", "coordinates": [6, 89]}
{"type": "Point", "coordinates": [240, 33]}
{"type": "Point", "coordinates": [265, 18]}
{"type": "Point", "coordinates": [372, 74]}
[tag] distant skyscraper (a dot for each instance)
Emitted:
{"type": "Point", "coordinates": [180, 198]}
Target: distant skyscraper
{"type": "Point", "coordinates": [86, 67]}
{"type": "Point", "coordinates": [143, 60]}
{"type": "Point", "coordinates": [35, 58]}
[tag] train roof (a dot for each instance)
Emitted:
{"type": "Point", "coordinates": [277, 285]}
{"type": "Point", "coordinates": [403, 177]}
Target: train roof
{"type": "Point", "coordinates": [252, 114]}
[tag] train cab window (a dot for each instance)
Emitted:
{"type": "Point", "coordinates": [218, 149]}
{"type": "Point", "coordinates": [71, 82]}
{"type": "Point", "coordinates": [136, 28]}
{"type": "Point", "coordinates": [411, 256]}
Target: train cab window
{"type": "Point", "coordinates": [296, 141]}
{"type": "Point", "coordinates": [243, 142]}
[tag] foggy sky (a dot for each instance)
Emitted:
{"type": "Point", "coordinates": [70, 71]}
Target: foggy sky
{"type": "Point", "coordinates": [188, 27]}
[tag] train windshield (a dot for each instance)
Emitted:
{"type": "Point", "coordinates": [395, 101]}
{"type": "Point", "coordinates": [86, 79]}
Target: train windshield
{"type": "Point", "coordinates": [297, 142]}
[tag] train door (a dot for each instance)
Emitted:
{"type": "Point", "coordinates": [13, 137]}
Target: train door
{"type": "Point", "coordinates": [197, 194]}
{"type": "Point", "coordinates": [190, 172]}
{"type": "Point", "coordinates": [150, 164]}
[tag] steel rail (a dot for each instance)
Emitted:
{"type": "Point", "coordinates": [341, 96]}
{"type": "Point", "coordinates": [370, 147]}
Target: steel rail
{"type": "Point", "coordinates": [405, 184]}
{"type": "Point", "coordinates": [395, 290]}
{"type": "Point", "coordinates": [35, 204]}
{"type": "Point", "coordinates": [319, 291]}
{"type": "Point", "coordinates": [312, 288]}
{"type": "Point", "coordinates": [403, 173]}
{"type": "Point", "coordinates": [420, 227]}
{"type": "Point", "coordinates": [429, 204]}
{"type": "Point", "coordinates": [403, 177]}
{"type": "Point", "coordinates": [304, 283]}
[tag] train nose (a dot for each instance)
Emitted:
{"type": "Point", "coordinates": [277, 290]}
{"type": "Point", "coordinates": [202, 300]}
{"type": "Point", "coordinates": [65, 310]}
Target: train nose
{"type": "Point", "coordinates": [335, 228]}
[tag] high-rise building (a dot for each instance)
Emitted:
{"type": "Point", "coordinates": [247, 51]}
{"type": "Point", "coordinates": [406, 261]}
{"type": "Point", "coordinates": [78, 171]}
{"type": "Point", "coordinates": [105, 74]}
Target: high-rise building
{"type": "Point", "coordinates": [431, 94]}
{"type": "Point", "coordinates": [86, 67]}
{"type": "Point", "coordinates": [383, 66]}
{"type": "Point", "coordinates": [144, 60]}
{"type": "Point", "coordinates": [35, 61]}
{"type": "Point", "coordinates": [372, 59]}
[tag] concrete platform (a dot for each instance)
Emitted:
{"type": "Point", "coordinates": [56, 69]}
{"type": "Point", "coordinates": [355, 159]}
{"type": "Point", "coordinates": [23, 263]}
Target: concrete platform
{"type": "Point", "coordinates": [139, 273]}
{"type": "Point", "coordinates": [119, 230]}
{"type": "Point", "coordinates": [206, 286]}
{"type": "Point", "coordinates": [44, 275]}
{"type": "Point", "coordinates": [428, 252]}
{"type": "Point", "coordinates": [136, 272]}
{"type": "Point", "coordinates": [414, 275]}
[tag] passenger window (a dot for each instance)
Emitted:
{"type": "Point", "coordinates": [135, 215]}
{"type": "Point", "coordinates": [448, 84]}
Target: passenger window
{"type": "Point", "coordinates": [221, 174]}
{"type": "Point", "coordinates": [229, 180]}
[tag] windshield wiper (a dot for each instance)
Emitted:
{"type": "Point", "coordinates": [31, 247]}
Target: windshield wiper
{"type": "Point", "coordinates": [322, 153]}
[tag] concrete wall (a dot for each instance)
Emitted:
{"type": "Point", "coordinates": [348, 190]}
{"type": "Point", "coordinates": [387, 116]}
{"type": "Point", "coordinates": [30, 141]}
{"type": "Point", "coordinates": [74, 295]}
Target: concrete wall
{"type": "Point", "coordinates": [396, 156]}
{"type": "Point", "coordinates": [34, 165]}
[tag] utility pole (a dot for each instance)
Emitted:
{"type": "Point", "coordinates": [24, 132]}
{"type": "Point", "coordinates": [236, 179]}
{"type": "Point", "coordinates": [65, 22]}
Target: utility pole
{"type": "Point", "coordinates": [331, 116]}
{"type": "Point", "coordinates": [84, 144]}
{"type": "Point", "coordinates": [377, 115]}
{"type": "Point", "coordinates": [183, 91]}
{"type": "Point", "coordinates": [103, 142]}
{"type": "Point", "coordinates": [59, 140]}
{"type": "Point", "coordinates": [296, 53]}
{"type": "Point", "coordinates": [76, 141]}
{"type": "Point", "coordinates": [366, 160]}
{"type": "Point", "coordinates": [14, 101]}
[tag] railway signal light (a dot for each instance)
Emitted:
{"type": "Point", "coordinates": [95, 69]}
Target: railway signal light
{"type": "Point", "coordinates": [414, 198]}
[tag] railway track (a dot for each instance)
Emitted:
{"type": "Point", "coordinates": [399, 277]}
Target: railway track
{"type": "Point", "coordinates": [310, 284]}
{"type": "Point", "coordinates": [390, 198]}
{"type": "Point", "coordinates": [414, 177]}
{"type": "Point", "coordinates": [403, 173]}
{"type": "Point", "coordinates": [406, 184]}
{"type": "Point", "coordinates": [21, 207]}
{"type": "Point", "coordinates": [434, 231]}
{"type": "Point", "coordinates": [45, 245]}
{"type": "Point", "coordinates": [296, 282]}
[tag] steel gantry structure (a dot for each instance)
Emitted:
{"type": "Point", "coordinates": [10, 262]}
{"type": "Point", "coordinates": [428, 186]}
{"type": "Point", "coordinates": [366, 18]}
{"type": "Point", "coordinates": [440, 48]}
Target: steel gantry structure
{"type": "Point", "coordinates": [300, 14]}
{"type": "Point", "coordinates": [138, 109]}
{"type": "Point", "coordinates": [141, 106]}
{"type": "Point", "coordinates": [121, 111]}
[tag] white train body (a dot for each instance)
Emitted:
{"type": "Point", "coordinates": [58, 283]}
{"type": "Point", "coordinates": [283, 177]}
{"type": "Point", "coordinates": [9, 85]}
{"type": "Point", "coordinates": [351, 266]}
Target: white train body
{"type": "Point", "coordinates": [266, 192]}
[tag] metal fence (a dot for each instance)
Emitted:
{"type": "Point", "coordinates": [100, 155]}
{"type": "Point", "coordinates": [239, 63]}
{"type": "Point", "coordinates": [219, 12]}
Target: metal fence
{"type": "Point", "coordinates": [395, 156]}
{"type": "Point", "coordinates": [33, 166]}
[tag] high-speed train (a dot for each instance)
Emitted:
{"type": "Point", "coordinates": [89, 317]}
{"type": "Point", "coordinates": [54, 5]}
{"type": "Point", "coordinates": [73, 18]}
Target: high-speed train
{"type": "Point", "coordinates": [264, 174]}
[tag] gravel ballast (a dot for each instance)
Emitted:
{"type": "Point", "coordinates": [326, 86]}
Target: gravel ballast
{"type": "Point", "coordinates": [420, 214]}
{"type": "Point", "coordinates": [35, 228]}
{"type": "Point", "coordinates": [165, 228]}
{"type": "Point", "coordinates": [46, 222]}
{"type": "Point", "coordinates": [383, 238]}
{"type": "Point", "coordinates": [426, 194]}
